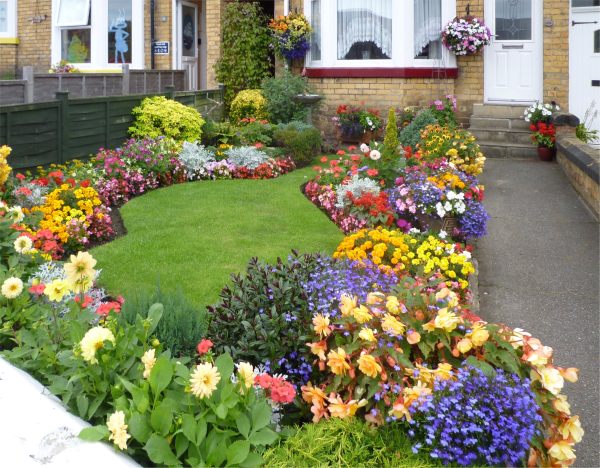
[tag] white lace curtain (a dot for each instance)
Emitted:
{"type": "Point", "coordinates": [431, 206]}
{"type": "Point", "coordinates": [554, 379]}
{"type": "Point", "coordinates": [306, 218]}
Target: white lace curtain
{"type": "Point", "coordinates": [364, 21]}
{"type": "Point", "coordinates": [428, 25]}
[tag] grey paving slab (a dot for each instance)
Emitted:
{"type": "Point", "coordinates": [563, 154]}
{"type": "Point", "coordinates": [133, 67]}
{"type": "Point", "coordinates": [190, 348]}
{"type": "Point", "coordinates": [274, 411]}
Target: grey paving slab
{"type": "Point", "coordinates": [539, 270]}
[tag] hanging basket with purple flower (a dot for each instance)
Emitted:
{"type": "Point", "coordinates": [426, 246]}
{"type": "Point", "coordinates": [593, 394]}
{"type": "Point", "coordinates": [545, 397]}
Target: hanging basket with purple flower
{"type": "Point", "coordinates": [291, 35]}
{"type": "Point", "coordinates": [466, 36]}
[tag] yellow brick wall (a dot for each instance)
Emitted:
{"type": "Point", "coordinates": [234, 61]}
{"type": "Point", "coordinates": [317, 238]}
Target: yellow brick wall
{"type": "Point", "coordinates": [162, 32]}
{"type": "Point", "coordinates": [34, 38]}
{"type": "Point", "coordinates": [8, 61]}
{"type": "Point", "coordinates": [556, 52]}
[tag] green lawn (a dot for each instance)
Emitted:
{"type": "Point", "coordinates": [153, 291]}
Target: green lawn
{"type": "Point", "coordinates": [192, 236]}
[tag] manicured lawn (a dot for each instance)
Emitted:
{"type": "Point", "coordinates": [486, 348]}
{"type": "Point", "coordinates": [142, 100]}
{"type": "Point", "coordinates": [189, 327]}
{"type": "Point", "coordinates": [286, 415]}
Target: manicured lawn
{"type": "Point", "coordinates": [191, 237]}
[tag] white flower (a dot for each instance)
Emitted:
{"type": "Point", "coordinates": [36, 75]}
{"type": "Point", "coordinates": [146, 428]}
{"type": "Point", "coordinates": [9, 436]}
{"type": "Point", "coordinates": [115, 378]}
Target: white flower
{"type": "Point", "coordinates": [374, 155]}
{"type": "Point", "coordinates": [94, 340]}
{"type": "Point", "coordinates": [23, 244]}
{"type": "Point", "coordinates": [15, 213]}
{"type": "Point", "coordinates": [414, 231]}
{"type": "Point", "coordinates": [451, 195]}
{"type": "Point", "coordinates": [364, 148]}
{"type": "Point", "coordinates": [12, 287]}
{"type": "Point", "coordinates": [440, 210]}
{"type": "Point", "coordinates": [448, 206]}
{"type": "Point", "coordinates": [467, 254]}
{"type": "Point", "coordinates": [443, 234]}
{"type": "Point", "coordinates": [557, 108]}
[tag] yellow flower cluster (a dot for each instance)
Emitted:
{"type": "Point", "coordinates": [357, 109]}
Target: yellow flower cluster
{"type": "Point", "coordinates": [447, 180]}
{"type": "Point", "coordinates": [396, 251]}
{"type": "Point", "coordinates": [4, 167]}
{"type": "Point", "coordinates": [64, 204]}
{"type": "Point", "coordinates": [295, 22]}
{"type": "Point", "coordinates": [459, 146]}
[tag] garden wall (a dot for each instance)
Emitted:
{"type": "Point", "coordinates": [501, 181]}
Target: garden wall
{"type": "Point", "coordinates": [581, 164]}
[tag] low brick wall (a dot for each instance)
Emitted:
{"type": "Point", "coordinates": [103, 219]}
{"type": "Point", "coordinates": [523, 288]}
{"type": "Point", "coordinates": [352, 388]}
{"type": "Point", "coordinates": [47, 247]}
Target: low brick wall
{"type": "Point", "coordinates": [581, 164]}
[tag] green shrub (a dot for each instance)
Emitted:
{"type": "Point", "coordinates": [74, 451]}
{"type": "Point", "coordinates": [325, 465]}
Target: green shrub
{"type": "Point", "coordinates": [246, 58]}
{"type": "Point", "coordinates": [303, 141]}
{"type": "Point", "coordinates": [255, 132]}
{"type": "Point", "coordinates": [182, 325]}
{"type": "Point", "coordinates": [158, 116]}
{"type": "Point", "coordinates": [411, 134]}
{"type": "Point", "coordinates": [263, 314]}
{"type": "Point", "coordinates": [346, 442]}
{"type": "Point", "coordinates": [279, 93]}
{"type": "Point", "coordinates": [248, 104]}
{"type": "Point", "coordinates": [216, 133]}
{"type": "Point", "coordinates": [391, 142]}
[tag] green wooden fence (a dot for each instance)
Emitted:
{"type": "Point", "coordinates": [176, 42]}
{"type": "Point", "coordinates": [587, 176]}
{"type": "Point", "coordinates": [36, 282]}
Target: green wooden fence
{"type": "Point", "coordinates": [65, 129]}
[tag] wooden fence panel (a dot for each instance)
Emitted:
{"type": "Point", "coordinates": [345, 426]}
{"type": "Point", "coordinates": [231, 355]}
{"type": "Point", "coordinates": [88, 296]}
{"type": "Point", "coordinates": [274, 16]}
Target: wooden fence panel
{"type": "Point", "coordinates": [58, 131]}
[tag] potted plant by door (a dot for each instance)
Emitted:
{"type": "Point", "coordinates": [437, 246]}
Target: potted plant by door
{"type": "Point", "coordinates": [355, 125]}
{"type": "Point", "coordinates": [544, 136]}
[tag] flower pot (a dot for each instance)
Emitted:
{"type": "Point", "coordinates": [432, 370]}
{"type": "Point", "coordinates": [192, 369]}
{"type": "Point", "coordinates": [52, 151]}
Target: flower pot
{"type": "Point", "coordinates": [358, 138]}
{"type": "Point", "coordinates": [433, 223]}
{"type": "Point", "coordinates": [545, 153]}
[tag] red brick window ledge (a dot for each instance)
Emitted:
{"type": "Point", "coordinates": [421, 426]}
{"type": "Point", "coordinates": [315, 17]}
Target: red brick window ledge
{"type": "Point", "coordinates": [375, 72]}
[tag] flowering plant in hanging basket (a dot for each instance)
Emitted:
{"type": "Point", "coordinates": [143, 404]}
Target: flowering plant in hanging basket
{"type": "Point", "coordinates": [291, 35]}
{"type": "Point", "coordinates": [466, 36]}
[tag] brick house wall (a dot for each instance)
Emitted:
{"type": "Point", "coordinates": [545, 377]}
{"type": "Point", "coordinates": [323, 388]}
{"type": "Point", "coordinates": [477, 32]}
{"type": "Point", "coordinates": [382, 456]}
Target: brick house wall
{"type": "Point", "coordinates": [162, 31]}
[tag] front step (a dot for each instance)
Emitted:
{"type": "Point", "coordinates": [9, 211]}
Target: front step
{"type": "Point", "coordinates": [495, 149]}
{"type": "Point", "coordinates": [501, 131]}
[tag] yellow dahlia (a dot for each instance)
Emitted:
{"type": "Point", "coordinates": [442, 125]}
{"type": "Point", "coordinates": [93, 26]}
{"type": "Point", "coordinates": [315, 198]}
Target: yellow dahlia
{"type": "Point", "coordinates": [23, 244]}
{"type": "Point", "coordinates": [245, 374]}
{"type": "Point", "coordinates": [81, 265]}
{"type": "Point", "coordinates": [204, 380]}
{"type": "Point", "coordinates": [148, 359]}
{"type": "Point", "coordinates": [118, 429]}
{"type": "Point", "coordinates": [93, 341]}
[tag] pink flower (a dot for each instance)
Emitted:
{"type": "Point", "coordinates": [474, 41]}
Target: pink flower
{"type": "Point", "coordinates": [37, 289]}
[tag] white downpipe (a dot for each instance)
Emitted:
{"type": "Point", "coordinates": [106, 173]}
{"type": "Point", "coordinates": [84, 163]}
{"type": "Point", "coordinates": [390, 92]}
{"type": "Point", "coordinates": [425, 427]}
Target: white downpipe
{"type": "Point", "coordinates": [286, 7]}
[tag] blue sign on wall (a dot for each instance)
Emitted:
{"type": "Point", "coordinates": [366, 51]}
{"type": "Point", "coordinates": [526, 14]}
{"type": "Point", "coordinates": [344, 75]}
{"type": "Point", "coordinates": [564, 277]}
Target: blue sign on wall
{"type": "Point", "coordinates": [161, 48]}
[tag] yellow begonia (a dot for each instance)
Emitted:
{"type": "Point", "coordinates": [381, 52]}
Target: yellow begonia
{"type": "Point", "coordinates": [361, 314]}
{"type": "Point", "coordinates": [391, 325]}
{"type": "Point", "coordinates": [337, 361]}
{"type": "Point", "coordinates": [368, 365]}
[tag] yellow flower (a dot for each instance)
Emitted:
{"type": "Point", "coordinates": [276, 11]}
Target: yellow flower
{"type": "Point", "coordinates": [368, 365]}
{"type": "Point", "coordinates": [118, 429]}
{"type": "Point", "coordinates": [12, 287]}
{"type": "Point", "coordinates": [464, 346]}
{"type": "Point", "coordinates": [79, 285]}
{"type": "Point", "coordinates": [337, 361]}
{"type": "Point", "coordinates": [478, 335]}
{"type": "Point", "coordinates": [392, 305]}
{"type": "Point", "coordinates": [23, 244]}
{"type": "Point", "coordinates": [443, 371]}
{"type": "Point", "coordinates": [412, 394]}
{"type": "Point", "coordinates": [374, 298]}
{"type": "Point", "coordinates": [56, 290]}
{"type": "Point", "coordinates": [551, 379]}
{"type": "Point", "coordinates": [572, 428]}
{"type": "Point", "coordinates": [204, 380]}
{"type": "Point", "coordinates": [246, 374]}
{"type": "Point", "coordinates": [413, 337]}
{"type": "Point", "coordinates": [318, 349]}
{"type": "Point", "coordinates": [561, 404]}
{"type": "Point", "coordinates": [347, 304]}
{"type": "Point", "coordinates": [339, 409]}
{"type": "Point", "coordinates": [367, 334]}
{"type": "Point", "coordinates": [446, 320]}
{"type": "Point", "coordinates": [562, 451]}
{"type": "Point", "coordinates": [392, 326]}
{"type": "Point", "coordinates": [94, 340]}
{"type": "Point", "coordinates": [361, 314]}
{"type": "Point", "coordinates": [321, 325]}
{"type": "Point", "coordinates": [313, 395]}
{"type": "Point", "coordinates": [81, 265]}
{"type": "Point", "coordinates": [148, 360]}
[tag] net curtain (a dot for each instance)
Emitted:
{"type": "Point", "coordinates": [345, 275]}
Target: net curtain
{"type": "Point", "coordinates": [363, 21]}
{"type": "Point", "coordinates": [428, 23]}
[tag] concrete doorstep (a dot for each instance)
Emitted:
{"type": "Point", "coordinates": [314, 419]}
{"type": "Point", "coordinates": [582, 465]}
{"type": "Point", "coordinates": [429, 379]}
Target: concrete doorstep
{"type": "Point", "coordinates": [37, 430]}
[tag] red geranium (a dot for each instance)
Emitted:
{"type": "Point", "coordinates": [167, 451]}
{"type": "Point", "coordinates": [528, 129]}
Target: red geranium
{"type": "Point", "coordinates": [204, 346]}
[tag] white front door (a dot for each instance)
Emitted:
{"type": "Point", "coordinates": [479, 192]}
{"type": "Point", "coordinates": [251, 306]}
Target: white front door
{"type": "Point", "coordinates": [584, 63]}
{"type": "Point", "coordinates": [513, 66]}
{"type": "Point", "coordinates": [187, 42]}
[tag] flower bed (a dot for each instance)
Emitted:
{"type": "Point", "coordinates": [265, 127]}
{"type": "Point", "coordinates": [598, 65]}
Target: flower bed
{"type": "Point", "coordinates": [381, 330]}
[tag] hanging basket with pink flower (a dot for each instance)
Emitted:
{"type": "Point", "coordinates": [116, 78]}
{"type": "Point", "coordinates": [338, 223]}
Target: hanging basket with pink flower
{"type": "Point", "coordinates": [466, 35]}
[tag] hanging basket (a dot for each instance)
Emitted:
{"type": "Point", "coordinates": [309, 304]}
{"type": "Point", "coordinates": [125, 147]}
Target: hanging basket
{"type": "Point", "coordinates": [432, 223]}
{"type": "Point", "coordinates": [466, 36]}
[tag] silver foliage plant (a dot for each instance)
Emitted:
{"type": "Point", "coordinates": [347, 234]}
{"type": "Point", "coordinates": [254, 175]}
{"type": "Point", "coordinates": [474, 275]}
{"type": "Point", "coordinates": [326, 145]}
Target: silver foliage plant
{"type": "Point", "coordinates": [195, 159]}
{"type": "Point", "coordinates": [247, 156]}
{"type": "Point", "coordinates": [356, 186]}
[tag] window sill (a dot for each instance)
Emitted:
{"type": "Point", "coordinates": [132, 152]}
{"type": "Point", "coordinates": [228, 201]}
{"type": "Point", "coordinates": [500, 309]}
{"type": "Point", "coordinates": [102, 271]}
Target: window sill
{"type": "Point", "coordinates": [9, 40]}
{"type": "Point", "coordinates": [409, 72]}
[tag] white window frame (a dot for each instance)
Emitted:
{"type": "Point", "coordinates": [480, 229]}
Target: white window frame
{"type": "Point", "coordinates": [99, 37]}
{"type": "Point", "coordinates": [402, 39]}
{"type": "Point", "coordinates": [83, 19]}
{"type": "Point", "coordinates": [11, 20]}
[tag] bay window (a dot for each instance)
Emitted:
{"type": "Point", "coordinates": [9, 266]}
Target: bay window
{"type": "Point", "coordinates": [378, 33]}
{"type": "Point", "coordinates": [8, 18]}
{"type": "Point", "coordinates": [99, 34]}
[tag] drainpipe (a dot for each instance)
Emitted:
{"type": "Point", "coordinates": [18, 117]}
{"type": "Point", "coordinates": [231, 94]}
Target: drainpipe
{"type": "Point", "coordinates": [286, 7]}
{"type": "Point", "coordinates": [152, 34]}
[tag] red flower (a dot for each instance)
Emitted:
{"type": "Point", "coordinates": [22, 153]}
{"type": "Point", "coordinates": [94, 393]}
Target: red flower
{"type": "Point", "coordinates": [106, 308]}
{"type": "Point", "coordinates": [43, 181]}
{"type": "Point", "coordinates": [38, 289]}
{"type": "Point", "coordinates": [352, 148]}
{"type": "Point", "coordinates": [85, 183]}
{"type": "Point", "coordinates": [340, 152]}
{"type": "Point", "coordinates": [282, 391]}
{"type": "Point", "coordinates": [204, 346]}
{"type": "Point", "coordinates": [355, 157]}
{"type": "Point", "coordinates": [532, 127]}
{"type": "Point", "coordinates": [87, 300]}
{"type": "Point", "coordinates": [264, 381]}
{"type": "Point", "coordinates": [20, 176]}
{"type": "Point", "coordinates": [258, 145]}
{"type": "Point", "coordinates": [324, 159]}
{"type": "Point", "coordinates": [372, 172]}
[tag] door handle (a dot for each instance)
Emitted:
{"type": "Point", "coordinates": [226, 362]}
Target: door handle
{"type": "Point", "coordinates": [512, 46]}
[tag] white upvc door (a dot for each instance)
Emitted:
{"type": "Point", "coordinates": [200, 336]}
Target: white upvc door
{"type": "Point", "coordinates": [187, 42]}
{"type": "Point", "coordinates": [513, 63]}
{"type": "Point", "coordinates": [584, 64]}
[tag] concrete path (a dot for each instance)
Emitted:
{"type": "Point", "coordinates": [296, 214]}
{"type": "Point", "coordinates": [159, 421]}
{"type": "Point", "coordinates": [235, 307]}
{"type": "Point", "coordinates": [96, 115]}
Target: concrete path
{"type": "Point", "coordinates": [539, 271]}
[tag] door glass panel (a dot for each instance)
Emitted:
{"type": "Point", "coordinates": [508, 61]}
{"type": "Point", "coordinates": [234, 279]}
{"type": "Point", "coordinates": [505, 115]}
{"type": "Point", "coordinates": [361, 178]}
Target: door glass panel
{"type": "Point", "coordinates": [513, 20]}
{"type": "Point", "coordinates": [584, 3]}
{"type": "Point", "coordinates": [188, 31]}
{"type": "Point", "coordinates": [119, 31]}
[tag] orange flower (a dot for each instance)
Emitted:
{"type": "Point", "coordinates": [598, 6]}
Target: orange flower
{"type": "Point", "coordinates": [368, 365]}
{"type": "Point", "coordinates": [318, 349]}
{"type": "Point", "coordinates": [337, 361]}
{"type": "Point", "coordinates": [312, 394]}
{"type": "Point", "coordinates": [339, 409]}
{"type": "Point", "coordinates": [321, 325]}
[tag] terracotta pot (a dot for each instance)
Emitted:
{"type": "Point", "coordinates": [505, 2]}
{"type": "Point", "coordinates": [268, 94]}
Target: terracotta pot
{"type": "Point", "coordinates": [359, 138]}
{"type": "Point", "coordinates": [545, 153]}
